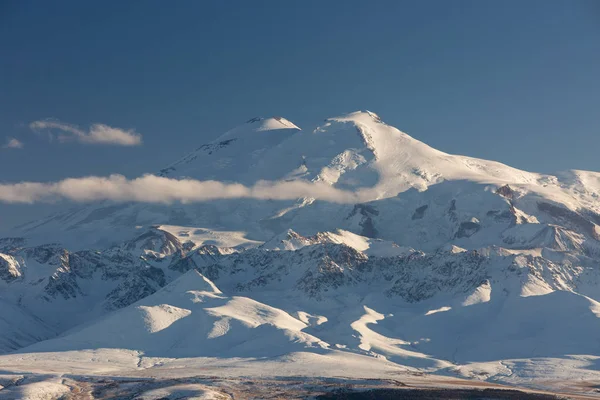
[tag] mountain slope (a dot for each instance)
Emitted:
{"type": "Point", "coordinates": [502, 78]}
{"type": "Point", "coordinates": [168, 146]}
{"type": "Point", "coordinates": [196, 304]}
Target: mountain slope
{"type": "Point", "coordinates": [189, 318]}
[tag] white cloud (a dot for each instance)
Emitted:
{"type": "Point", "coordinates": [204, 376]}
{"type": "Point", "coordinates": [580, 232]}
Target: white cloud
{"type": "Point", "coordinates": [155, 189]}
{"type": "Point", "coordinates": [97, 134]}
{"type": "Point", "coordinates": [13, 143]}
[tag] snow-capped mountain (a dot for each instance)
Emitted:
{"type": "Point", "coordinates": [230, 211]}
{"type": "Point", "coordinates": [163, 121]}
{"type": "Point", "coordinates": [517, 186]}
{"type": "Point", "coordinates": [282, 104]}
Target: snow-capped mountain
{"type": "Point", "coordinates": [451, 265]}
{"type": "Point", "coordinates": [398, 176]}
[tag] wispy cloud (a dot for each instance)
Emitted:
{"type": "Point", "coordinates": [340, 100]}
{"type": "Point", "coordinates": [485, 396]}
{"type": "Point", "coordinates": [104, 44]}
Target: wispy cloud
{"type": "Point", "coordinates": [97, 134]}
{"type": "Point", "coordinates": [12, 143]}
{"type": "Point", "coordinates": [155, 189]}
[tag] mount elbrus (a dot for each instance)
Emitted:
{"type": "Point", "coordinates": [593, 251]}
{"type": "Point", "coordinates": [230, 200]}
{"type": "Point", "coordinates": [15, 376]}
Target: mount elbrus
{"type": "Point", "coordinates": [451, 266]}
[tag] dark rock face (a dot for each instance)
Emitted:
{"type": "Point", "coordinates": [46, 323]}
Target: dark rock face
{"type": "Point", "coordinates": [570, 219]}
{"type": "Point", "coordinates": [10, 245]}
{"type": "Point", "coordinates": [183, 265]}
{"type": "Point", "coordinates": [367, 211]}
{"type": "Point", "coordinates": [506, 192]}
{"type": "Point", "coordinates": [62, 284]}
{"type": "Point", "coordinates": [419, 276]}
{"type": "Point", "coordinates": [156, 240]}
{"type": "Point", "coordinates": [49, 253]}
{"type": "Point", "coordinates": [505, 216]}
{"type": "Point", "coordinates": [9, 268]}
{"type": "Point", "coordinates": [135, 287]}
{"type": "Point", "coordinates": [452, 211]}
{"type": "Point", "coordinates": [420, 212]}
{"type": "Point", "coordinates": [467, 229]}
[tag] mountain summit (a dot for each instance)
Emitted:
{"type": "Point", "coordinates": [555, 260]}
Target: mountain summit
{"type": "Point", "coordinates": [271, 123]}
{"type": "Point", "coordinates": [356, 152]}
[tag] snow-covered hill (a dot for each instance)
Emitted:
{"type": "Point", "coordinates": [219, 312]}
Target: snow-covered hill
{"type": "Point", "coordinates": [452, 265]}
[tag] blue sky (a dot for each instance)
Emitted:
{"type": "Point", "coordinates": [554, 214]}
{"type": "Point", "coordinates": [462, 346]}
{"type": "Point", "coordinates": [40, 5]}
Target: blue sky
{"type": "Point", "coordinates": [513, 81]}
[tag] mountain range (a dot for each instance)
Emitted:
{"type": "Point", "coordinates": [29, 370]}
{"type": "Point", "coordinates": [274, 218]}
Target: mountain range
{"type": "Point", "coordinates": [449, 265]}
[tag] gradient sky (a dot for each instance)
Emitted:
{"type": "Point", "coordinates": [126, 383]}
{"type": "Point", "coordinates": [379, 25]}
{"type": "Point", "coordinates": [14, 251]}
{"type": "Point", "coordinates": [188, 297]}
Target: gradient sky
{"type": "Point", "coordinates": [513, 81]}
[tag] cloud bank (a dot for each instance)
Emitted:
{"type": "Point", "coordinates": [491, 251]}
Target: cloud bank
{"type": "Point", "coordinates": [97, 134]}
{"type": "Point", "coordinates": [13, 143]}
{"type": "Point", "coordinates": [155, 189]}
